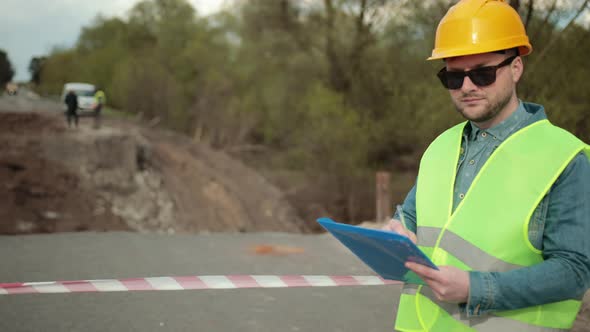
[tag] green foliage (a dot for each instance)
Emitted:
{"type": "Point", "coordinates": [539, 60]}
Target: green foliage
{"type": "Point", "coordinates": [35, 67]}
{"type": "Point", "coordinates": [153, 93]}
{"type": "Point", "coordinates": [6, 70]}
{"type": "Point", "coordinates": [331, 134]}
{"type": "Point", "coordinates": [560, 81]}
{"type": "Point", "coordinates": [59, 68]}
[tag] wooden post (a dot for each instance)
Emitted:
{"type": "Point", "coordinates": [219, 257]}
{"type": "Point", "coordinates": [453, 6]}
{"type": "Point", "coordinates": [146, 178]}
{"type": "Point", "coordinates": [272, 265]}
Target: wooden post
{"type": "Point", "coordinates": [383, 196]}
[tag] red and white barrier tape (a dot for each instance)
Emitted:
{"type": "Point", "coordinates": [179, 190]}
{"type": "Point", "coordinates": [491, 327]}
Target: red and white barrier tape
{"type": "Point", "coordinates": [190, 282]}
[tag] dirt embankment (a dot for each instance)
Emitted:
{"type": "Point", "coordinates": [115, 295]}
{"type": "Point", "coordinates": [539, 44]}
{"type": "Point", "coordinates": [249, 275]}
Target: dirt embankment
{"type": "Point", "coordinates": [125, 177]}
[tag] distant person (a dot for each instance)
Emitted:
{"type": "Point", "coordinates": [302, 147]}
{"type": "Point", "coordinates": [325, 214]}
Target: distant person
{"type": "Point", "coordinates": [71, 101]}
{"type": "Point", "coordinates": [100, 100]}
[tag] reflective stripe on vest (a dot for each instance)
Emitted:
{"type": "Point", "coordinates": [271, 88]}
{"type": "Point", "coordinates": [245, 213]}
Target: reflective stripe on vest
{"type": "Point", "coordinates": [501, 199]}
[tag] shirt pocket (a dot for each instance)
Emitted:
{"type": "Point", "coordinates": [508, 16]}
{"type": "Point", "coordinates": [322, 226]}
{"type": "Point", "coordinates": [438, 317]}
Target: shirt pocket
{"type": "Point", "coordinates": [537, 223]}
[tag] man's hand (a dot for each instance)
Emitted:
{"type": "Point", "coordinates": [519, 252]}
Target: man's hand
{"type": "Point", "coordinates": [395, 225]}
{"type": "Point", "coordinates": [449, 283]}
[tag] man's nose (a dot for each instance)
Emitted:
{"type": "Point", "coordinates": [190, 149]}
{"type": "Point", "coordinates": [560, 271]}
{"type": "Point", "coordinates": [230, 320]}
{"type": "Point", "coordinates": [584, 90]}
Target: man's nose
{"type": "Point", "coordinates": [468, 84]}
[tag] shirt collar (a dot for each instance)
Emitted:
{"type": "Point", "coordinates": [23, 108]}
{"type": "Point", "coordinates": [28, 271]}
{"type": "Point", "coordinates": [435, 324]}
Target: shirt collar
{"type": "Point", "coordinates": [505, 128]}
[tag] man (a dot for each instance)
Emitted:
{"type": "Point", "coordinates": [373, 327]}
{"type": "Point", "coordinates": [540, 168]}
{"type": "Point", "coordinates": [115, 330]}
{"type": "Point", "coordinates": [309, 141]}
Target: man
{"type": "Point", "coordinates": [502, 201]}
{"type": "Point", "coordinates": [100, 100]}
{"type": "Point", "coordinates": [71, 102]}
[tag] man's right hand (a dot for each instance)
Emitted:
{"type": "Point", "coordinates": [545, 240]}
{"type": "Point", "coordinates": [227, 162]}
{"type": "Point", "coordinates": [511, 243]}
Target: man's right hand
{"type": "Point", "coordinates": [394, 225]}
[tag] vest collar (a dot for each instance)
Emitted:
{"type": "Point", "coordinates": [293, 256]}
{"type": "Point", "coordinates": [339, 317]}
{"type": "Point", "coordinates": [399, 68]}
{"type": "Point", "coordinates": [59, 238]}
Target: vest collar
{"type": "Point", "coordinates": [517, 120]}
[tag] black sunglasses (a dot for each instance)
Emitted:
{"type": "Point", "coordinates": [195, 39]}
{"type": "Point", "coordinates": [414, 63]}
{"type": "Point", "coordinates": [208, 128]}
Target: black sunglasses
{"type": "Point", "coordinates": [482, 76]}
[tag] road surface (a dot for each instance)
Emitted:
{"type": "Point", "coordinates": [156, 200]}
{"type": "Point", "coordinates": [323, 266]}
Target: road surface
{"type": "Point", "coordinates": [74, 256]}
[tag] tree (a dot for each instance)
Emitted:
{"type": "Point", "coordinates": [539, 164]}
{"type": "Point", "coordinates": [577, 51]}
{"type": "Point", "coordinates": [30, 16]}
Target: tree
{"type": "Point", "coordinates": [171, 22]}
{"type": "Point", "coordinates": [35, 68]}
{"type": "Point", "coordinates": [6, 70]}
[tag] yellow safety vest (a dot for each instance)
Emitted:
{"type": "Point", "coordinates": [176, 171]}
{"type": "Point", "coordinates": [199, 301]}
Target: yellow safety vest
{"type": "Point", "coordinates": [488, 231]}
{"type": "Point", "coordinates": [100, 97]}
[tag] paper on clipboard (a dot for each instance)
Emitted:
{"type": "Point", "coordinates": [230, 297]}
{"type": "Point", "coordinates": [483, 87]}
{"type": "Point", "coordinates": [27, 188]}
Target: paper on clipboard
{"type": "Point", "coordinates": [383, 251]}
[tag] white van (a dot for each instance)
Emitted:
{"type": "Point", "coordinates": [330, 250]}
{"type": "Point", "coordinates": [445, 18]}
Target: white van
{"type": "Point", "coordinates": [85, 94]}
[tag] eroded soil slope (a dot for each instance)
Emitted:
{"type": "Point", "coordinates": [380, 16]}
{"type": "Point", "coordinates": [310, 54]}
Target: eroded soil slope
{"type": "Point", "coordinates": [124, 176]}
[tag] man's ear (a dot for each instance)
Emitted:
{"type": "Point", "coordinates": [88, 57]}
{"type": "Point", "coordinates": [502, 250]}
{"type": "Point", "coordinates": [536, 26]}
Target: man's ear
{"type": "Point", "coordinates": [516, 69]}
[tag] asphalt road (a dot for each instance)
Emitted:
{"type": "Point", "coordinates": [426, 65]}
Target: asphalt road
{"type": "Point", "coordinates": [28, 101]}
{"type": "Point", "coordinates": [127, 255]}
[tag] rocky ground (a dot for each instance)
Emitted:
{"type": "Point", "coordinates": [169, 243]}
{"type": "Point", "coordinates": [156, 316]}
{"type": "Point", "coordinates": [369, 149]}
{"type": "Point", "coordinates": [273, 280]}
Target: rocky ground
{"type": "Point", "coordinates": [125, 176]}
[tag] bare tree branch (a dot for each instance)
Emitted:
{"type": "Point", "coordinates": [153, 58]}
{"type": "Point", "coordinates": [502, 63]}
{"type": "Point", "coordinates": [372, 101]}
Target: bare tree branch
{"type": "Point", "coordinates": [364, 37]}
{"type": "Point", "coordinates": [537, 33]}
{"type": "Point", "coordinates": [529, 15]}
{"type": "Point", "coordinates": [515, 4]}
{"type": "Point", "coordinates": [556, 37]}
{"type": "Point", "coordinates": [292, 27]}
{"type": "Point", "coordinates": [338, 78]}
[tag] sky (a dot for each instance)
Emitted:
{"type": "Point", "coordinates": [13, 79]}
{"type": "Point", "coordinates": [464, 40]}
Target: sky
{"type": "Point", "coordinates": [31, 28]}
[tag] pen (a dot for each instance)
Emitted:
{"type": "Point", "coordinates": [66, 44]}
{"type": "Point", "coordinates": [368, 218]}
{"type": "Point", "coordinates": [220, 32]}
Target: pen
{"type": "Point", "coordinates": [400, 212]}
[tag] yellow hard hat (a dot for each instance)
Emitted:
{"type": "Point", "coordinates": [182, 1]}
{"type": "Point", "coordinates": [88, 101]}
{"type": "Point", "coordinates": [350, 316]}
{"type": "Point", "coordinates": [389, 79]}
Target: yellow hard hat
{"type": "Point", "coordinates": [479, 26]}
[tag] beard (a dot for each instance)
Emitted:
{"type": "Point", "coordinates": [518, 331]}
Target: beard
{"type": "Point", "coordinates": [490, 111]}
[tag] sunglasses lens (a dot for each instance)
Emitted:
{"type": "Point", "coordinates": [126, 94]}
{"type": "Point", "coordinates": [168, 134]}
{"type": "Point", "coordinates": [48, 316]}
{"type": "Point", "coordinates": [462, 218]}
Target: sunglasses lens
{"type": "Point", "coordinates": [482, 76]}
{"type": "Point", "coordinates": [451, 79]}
{"type": "Point", "coordinates": [454, 79]}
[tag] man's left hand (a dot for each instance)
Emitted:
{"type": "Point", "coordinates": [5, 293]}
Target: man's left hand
{"type": "Point", "coordinates": [449, 283]}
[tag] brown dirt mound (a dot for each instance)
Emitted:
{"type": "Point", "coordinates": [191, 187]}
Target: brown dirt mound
{"type": "Point", "coordinates": [125, 176]}
{"type": "Point", "coordinates": [39, 195]}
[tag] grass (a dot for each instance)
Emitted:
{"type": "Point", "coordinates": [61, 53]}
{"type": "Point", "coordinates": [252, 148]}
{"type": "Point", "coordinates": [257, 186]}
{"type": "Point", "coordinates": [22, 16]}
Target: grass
{"type": "Point", "coordinates": [111, 112]}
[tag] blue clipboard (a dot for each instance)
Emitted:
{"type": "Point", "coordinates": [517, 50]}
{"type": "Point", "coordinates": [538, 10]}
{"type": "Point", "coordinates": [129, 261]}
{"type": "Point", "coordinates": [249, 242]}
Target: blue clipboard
{"type": "Point", "coordinates": [383, 251]}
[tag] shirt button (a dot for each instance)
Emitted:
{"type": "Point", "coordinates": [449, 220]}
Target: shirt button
{"type": "Point", "coordinates": [484, 134]}
{"type": "Point", "coordinates": [471, 162]}
{"type": "Point", "coordinates": [461, 196]}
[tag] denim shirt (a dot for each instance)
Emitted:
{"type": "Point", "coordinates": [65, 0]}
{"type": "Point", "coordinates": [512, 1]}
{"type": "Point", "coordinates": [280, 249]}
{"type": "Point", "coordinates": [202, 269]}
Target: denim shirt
{"type": "Point", "coordinates": [559, 226]}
